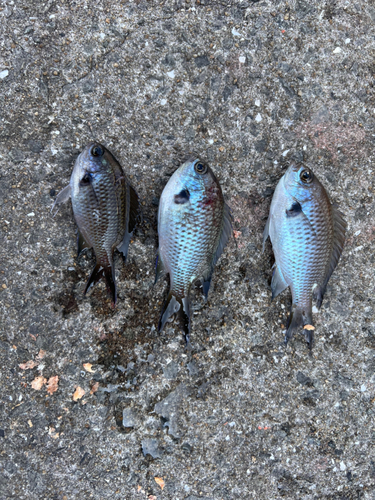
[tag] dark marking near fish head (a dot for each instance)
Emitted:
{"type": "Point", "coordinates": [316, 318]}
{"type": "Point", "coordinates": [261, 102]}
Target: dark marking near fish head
{"type": "Point", "coordinates": [294, 210]}
{"type": "Point", "coordinates": [86, 179]}
{"type": "Point", "coordinates": [182, 197]}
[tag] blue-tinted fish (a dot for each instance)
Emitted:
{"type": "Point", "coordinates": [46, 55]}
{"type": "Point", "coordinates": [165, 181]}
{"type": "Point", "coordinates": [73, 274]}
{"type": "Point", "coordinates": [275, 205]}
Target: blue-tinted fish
{"type": "Point", "coordinates": [194, 225]}
{"type": "Point", "coordinates": [307, 234]}
{"type": "Point", "coordinates": [105, 207]}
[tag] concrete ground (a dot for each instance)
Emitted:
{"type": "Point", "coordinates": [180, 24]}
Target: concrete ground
{"type": "Point", "coordinates": [95, 404]}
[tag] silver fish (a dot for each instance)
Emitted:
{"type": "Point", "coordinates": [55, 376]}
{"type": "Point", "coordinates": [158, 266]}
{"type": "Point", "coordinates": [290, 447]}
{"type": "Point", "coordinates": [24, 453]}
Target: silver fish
{"type": "Point", "coordinates": [194, 225]}
{"type": "Point", "coordinates": [105, 208]}
{"type": "Point", "coordinates": [307, 234]}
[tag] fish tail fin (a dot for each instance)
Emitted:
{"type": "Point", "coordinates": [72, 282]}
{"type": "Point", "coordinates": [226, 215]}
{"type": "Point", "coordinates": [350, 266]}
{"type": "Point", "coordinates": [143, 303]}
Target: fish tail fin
{"type": "Point", "coordinates": [179, 306]}
{"type": "Point", "coordinates": [106, 272]}
{"type": "Point", "coordinates": [301, 319]}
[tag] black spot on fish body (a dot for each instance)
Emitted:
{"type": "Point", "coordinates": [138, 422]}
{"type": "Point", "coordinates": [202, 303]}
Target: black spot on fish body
{"type": "Point", "coordinates": [86, 179]}
{"type": "Point", "coordinates": [182, 197]}
{"type": "Point", "coordinates": [294, 210]}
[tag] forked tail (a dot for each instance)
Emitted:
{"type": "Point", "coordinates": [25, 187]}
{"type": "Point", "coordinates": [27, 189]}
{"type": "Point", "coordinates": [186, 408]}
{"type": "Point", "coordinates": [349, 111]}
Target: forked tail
{"type": "Point", "coordinates": [180, 307]}
{"type": "Point", "coordinates": [300, 319]}
{"type": "Point", "coordinates": [106, 272]}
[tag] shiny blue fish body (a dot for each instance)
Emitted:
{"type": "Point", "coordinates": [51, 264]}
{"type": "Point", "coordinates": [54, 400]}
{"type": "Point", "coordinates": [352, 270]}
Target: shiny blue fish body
{"type": "Point", "coordinates": [307, 234]}
{"type": "Point", "coordinates": [194, 225]}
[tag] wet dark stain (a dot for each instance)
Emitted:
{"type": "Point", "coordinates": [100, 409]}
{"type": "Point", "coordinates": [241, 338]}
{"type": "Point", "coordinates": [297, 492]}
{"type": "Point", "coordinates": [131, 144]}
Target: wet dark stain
{"type": "Point", "coordinates": [68, 302]}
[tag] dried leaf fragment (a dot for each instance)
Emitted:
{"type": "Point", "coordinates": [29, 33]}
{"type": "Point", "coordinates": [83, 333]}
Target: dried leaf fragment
{"type": "Point", "coordinates": [78, 394]}
{"type": "Point", "coordinates": [41, 354]}
{"type": "Point", "coordinates": [28, 365]}
{"type": "Point", "coordinates": [38, 382]}
{"type": "Point", "coordinates": [160, 482]}
{"type": "Point", "coordinates": [309, 327]}
{"type": "Point", "coordinates": [94, 388]}
{"type": "Point", "coordinates": [52, 433]}
{"type": "Point", "coordinates": [88, 367]}
{"type": "Point", "coordinates": [52, 384]}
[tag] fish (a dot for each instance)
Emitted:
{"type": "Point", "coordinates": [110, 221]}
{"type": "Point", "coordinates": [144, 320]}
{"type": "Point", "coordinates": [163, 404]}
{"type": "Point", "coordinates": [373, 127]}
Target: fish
{"type": "Point", "coordinates": [307, 233]}
{"type": "Point", "coordinates": [105, 208]}
{"type": "Point", "coordinates": [194, 225]}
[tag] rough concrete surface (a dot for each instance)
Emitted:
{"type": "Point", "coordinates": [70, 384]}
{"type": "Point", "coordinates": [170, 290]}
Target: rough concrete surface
{"type": "Point", "coordinates": [250, 87]}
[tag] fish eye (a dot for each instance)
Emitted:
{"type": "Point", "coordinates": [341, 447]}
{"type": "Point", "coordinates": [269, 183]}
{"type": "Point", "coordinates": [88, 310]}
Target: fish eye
{"type": "Point", "coordinates": [200, 168]}
{"type": "Point", "coordinates": [97, 151]}
{"type": "Point", "coordinates": [306, 176]}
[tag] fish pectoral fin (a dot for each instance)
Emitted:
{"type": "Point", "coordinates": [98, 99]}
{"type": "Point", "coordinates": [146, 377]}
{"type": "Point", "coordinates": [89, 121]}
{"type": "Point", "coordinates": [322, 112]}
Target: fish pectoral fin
{"type": "Point", "coordinates": [62, 197]}
{"type": "Point", "coordinates": [81, 244]}
{"type": "Point", "coordinates": [134, 210]}
{"type": "Point", "coordinates": [124, 245]}
{"type": "Point", "coordinates": [266, 231]}
{"type": "Point", "coordinates": [339, 230]}
{"type": "Point", "coordinates": [278, 283]}
{"type": "Point", "coordinates": [179, 306]}
{"type": "Point", "coordinates": [107, 272]}
{"type": "Point", "coordinates": [159, 268]}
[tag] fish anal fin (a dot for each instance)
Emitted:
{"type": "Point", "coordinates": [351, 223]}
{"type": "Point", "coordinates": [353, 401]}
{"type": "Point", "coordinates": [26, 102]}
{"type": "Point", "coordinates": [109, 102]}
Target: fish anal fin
{"type": "Point", "coordinates": [81, 244]}
{"type": "Point", "coordinates": [339, 231]}
{"type": "Point", "coordinates": [159, 268]}
{"type": "Point", "coordinates": [62, 197]}
{"type": "Point", "coordinates": [278, 283]}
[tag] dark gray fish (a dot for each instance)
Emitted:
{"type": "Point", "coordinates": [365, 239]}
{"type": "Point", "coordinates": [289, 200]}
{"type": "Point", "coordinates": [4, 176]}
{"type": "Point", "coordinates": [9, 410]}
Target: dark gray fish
{"type": "Point", "coordinates": [307, 234]}
{"type": "Point", "coordinates": [105, 207]}
{"type": "Point", "coordinates": [194, 225]}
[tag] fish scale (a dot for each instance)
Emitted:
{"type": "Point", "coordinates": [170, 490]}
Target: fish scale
{"type": "Point", "coordinates": [194, 224]}
{"type": "Point", "coordinates": [307, 234]}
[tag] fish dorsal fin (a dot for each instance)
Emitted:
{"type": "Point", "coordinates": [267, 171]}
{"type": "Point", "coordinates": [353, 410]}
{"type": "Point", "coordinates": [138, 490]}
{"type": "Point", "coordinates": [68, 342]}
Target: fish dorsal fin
{"type": "Point", "coordinates": [339, 230]}
{"type": "Point", "coordinates": [266, 231]}
{"type": "Point", "coordinates": [134, 211]}
{"type": "Point", "coordinates": [226, 233]}
{"type": "Point", "coordinates": [133, 218]}
{"type": "Point", "coordinates": [62, 197]}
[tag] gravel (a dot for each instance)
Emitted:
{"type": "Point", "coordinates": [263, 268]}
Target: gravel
{"type": "Point", "coordinates": [249, 87]}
